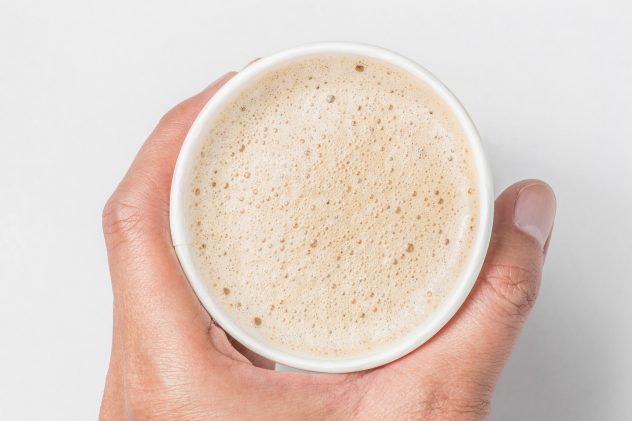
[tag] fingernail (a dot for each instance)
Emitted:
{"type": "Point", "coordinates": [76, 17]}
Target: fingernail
{"type": "Point", "coordinates": [534, 211]}
{"type": "Point", "coordinates": [252, 61]}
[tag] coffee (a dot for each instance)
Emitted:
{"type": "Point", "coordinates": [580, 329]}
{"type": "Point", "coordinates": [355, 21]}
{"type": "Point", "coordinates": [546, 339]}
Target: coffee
{"type": "Point", "coordinates": [333, 206]}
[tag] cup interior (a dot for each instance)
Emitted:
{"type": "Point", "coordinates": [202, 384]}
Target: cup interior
{"type": "Point", "coordinates": [181, 235]}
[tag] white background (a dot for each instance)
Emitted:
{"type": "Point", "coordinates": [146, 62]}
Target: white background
{"type": "Point", "coordinates": [549, 85]}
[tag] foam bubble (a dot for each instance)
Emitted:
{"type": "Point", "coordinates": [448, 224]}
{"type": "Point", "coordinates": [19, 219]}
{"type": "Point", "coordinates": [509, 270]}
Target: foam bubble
{"type": "Point", "coordinates": [333, 206]}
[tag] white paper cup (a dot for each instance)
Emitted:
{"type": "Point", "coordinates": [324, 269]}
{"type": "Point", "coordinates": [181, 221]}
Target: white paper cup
{"type": "Point", "coordinates": [181, 235]}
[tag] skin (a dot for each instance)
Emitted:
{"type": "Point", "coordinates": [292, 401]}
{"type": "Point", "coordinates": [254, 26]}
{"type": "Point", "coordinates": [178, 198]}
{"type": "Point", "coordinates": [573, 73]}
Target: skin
{"type": "Point", "coordinates": [170, 361]}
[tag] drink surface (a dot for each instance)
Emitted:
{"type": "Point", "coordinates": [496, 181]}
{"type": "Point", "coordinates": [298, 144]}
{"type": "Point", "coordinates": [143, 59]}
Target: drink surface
{"type": "Point", "coordinates": [333, 206]}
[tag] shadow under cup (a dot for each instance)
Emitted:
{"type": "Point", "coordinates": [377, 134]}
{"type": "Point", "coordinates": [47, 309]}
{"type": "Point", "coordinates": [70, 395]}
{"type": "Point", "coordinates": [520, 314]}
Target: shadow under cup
{"type": "Point", "coordinates": [182, 236]}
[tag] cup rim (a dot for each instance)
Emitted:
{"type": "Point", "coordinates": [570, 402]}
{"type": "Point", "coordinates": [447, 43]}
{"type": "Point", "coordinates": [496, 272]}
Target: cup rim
{"type": "Point", "coordinates": [180, 230]}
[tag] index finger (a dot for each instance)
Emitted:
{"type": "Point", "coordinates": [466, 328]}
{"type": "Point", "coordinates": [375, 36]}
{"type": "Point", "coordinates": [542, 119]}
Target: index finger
{"type": "Point", "coordinates": [152, 297]}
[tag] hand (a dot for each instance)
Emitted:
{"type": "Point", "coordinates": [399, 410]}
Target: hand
{"type": "Point", "coordinates": [169, 361]}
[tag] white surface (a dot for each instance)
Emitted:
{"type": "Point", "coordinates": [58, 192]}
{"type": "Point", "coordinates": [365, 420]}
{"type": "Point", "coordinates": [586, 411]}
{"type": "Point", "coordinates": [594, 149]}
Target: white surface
{"type": "Point", "coordinates": [549, 85]}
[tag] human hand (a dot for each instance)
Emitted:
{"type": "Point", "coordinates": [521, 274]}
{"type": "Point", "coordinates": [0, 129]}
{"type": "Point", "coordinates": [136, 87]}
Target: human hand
{"type": "Point", "coordinates": [170, 361]}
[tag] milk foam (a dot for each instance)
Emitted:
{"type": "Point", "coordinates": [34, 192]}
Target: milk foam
{"type": "Point", "coordinates": [333, 206]}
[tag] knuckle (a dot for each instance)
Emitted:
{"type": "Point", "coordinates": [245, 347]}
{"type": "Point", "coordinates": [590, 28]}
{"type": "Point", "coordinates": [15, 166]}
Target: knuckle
{"type": "Point", "coordinates": [173, 115]}
{"type": "Point", "coordinates": [449, 407]}
{"type": "Point", "coordinates": [174, 124]}
{"type": "Point", "coordinates": [449, 403]}
{"type": "Point", "coordinates": [472, 409]}
{"type": "Point", "coordinates": [178, 116]}
{"type": "Point", "coordinates": [515, 288]}
{"type": "Point", "coordinates": [121, 217]}
{"type": "Point", "coordinates": [440, 396]}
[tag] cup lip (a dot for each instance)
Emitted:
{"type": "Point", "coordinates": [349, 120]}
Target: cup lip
{"type": "Point", "coordinates": [180, 228]}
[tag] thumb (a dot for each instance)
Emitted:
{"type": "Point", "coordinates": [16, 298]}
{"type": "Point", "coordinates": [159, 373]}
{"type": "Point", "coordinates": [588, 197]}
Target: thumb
{"type": "Point", "coordinates": [510, 278]}
{"type": "Point", "coordinates": [481, 335]}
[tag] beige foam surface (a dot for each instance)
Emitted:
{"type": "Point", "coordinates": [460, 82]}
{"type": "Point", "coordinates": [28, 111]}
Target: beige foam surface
{"type": "Point", "coordinates": [333, 206]}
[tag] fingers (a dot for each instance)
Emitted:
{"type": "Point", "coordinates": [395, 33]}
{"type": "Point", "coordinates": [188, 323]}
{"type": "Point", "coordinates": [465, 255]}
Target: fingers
{"type": "Point", "coordinates": [481, 335]}
{"type": "Point", "coordinates": [256, 359]}
{"type": "Point", "coordinates": [151, 294]}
